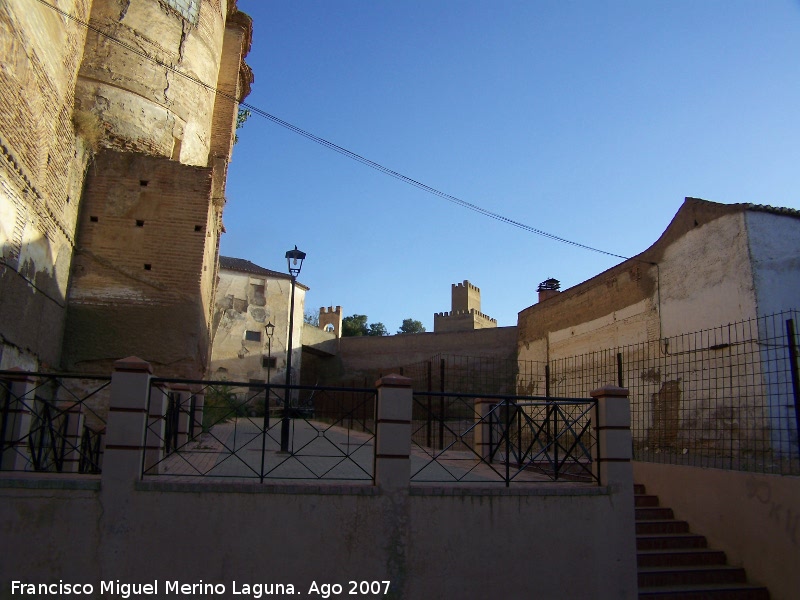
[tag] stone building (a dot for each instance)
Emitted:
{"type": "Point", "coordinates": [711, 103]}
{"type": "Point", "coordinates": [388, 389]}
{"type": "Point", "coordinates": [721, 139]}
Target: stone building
{"type": "Point", "coordinates": [112, 178]}
{"type": "Point", "coordinates": [465, 313]}
{"type": "Point", "coordinates": [248, 298]}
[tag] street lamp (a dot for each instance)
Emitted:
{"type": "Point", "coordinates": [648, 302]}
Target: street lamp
{"type": "Point", "coordinates": [295, 260]}
{"type": "Point", "coordinates": [269, 328]}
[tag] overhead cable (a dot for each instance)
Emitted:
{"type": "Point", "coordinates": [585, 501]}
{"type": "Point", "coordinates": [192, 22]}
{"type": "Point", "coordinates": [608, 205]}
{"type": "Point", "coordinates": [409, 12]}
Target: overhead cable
{"type": "Point", "coordinates": [330, 145]}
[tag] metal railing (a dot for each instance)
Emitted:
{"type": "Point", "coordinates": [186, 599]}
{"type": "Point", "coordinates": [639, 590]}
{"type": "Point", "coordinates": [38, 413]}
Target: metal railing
{"type": "Point", "coordinates": [725, 397]}
{"type": "Point", "coordinates": [331, 431]}
{"type": "Point", "coordinates": [55, 425]}
{"type": "Point", "coordinates": [471, 438]}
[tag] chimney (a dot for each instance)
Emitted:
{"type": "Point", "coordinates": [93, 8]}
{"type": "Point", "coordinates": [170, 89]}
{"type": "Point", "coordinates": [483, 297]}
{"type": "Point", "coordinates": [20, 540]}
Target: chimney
{"type": "Point", "coordinates": [548, 289]}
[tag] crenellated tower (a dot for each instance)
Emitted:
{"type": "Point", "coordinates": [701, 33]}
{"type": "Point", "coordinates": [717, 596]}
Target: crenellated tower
{"type": "Point", "coordinates": [465, 313]}
{"type": "Point", "coordinates": [330, 319]}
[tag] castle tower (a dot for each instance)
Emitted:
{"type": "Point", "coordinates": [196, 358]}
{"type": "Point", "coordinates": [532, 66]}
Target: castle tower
{"type": "Point", "coordinates": [331, 320]}
{"type": "Point", "coordinates": [465, 313]}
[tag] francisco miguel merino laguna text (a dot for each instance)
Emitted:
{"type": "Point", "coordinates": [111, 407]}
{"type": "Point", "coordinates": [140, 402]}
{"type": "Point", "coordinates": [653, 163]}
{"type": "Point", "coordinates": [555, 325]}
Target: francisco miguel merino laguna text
{"type": "Point", "coordinates": [127, 590]}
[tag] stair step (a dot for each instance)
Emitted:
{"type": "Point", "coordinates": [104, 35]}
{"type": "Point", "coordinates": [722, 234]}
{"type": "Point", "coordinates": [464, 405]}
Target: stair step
{"type": "Point", "coordinates": [645, 500]}
{"type": "Point", "coordinates": [661, 576]}
{"type": "Point", "coordinates": [661, 526]}
{"type": "Point", "coordinates": [654, 512]}
{"type": "Point", "coordinates": [658, 541]}
{"type": "Point", "coordinates": [735, 591]}
{"type": "Point", "coordinates": [680, 557]}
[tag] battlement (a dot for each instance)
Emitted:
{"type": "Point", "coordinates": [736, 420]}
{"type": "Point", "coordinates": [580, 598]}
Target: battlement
{"type": "Point", "coordinates": [467, 285]}
{"type": "Point", "coordinates": [456, 313]}
{"type": "Point", "coordinates": [330, 310]}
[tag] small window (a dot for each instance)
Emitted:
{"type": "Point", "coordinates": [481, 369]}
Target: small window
{"type": "Point", "coordinates": [94, 219]}
{"type": "Point", "coordinates": [269, 362]}
{"type": "Point", "coordinates": [147, 266]}
{"type": "Point", "coordinates": [143, 182]}
{"type": "Point", "coordinates": [139, 223]}
{"type": "Point", "coordinates": [198, 228]}
{"type": "Point", "coordinates": [252, 336]}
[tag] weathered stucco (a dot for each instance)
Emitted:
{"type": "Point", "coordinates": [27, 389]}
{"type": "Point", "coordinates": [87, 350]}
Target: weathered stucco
{"type": "Point", "coordinates": [247, 301]}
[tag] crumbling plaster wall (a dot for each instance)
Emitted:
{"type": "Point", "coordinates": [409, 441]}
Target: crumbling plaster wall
{"type": "Point", "coordinates": [42, 163]}
{"type": "Point", "coordinates": [774, 243]}
{"type": "Point", "coordinates": [241, 307]}
{"type": "Point", "coordinates": [696, 276]}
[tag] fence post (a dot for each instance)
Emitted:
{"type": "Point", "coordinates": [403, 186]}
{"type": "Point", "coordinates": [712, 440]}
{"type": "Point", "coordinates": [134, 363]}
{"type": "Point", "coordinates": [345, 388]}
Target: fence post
{"type": "Point", "coordinates": [199, 406]}
{"type": "Point", "coordinates": [17, 422]}
{"type": "Point", "coordinates": [393, 435]}
{"type": "Point", "coordinates": [127, 421]}
{"type": "Point", "coordinates": [72, 435]}
{"type": "Point", "coordinates": [612, 417]}
{"type": "Point", "coordinates": [183, 406]}
{"type": "Point", "coordinates": [483, 428]}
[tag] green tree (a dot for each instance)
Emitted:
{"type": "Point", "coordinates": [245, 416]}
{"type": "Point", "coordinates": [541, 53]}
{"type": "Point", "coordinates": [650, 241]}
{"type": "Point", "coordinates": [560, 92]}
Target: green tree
{"type": "Point", "coordinates": [354, 325]}
{"type": "Point", "coordinates": [377, 329]}
{"type": "Point", "coordinates": [411, 326]}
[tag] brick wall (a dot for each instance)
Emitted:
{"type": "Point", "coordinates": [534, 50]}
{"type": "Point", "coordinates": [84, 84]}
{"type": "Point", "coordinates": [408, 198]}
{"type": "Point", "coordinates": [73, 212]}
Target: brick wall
{"type": "Point", "coordinates": [146, 224]}
{"type": "Point", "coordinates": [41, 175]}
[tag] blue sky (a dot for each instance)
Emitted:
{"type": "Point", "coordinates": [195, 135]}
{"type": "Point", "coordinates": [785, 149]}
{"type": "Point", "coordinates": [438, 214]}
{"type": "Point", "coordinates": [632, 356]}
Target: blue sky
{"type": "Point", "coordinates": [588, 120]}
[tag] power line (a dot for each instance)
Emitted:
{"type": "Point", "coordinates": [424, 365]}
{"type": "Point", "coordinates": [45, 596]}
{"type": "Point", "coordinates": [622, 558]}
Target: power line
{"type": "Point", "coordinates": [330, 145]}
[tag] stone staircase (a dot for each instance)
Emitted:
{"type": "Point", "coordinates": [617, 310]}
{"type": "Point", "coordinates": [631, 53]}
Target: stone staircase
{"type": "Point", "coordinates": [675, 564]}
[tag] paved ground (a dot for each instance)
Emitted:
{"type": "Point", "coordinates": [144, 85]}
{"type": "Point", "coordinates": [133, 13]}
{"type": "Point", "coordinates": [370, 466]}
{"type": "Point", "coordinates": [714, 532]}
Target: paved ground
{"type": "Point", "coordinates": [239, 450]}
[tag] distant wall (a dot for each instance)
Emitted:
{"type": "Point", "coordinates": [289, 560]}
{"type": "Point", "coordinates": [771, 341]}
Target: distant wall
{"type": "Point", "coordinates": [754, 518]}
{"type": "Point", "coordinates": [360, 355]}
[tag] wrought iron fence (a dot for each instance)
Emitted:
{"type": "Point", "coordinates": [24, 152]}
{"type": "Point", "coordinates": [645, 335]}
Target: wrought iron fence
{"type": "Point", "coordinates": [471, 438]}
{"type": "Point", "coordinates": [725, 397]}
{"type": "Point", "coordinates": [245, 432]}
{"type": "Point", "coordinates": [51, 422]}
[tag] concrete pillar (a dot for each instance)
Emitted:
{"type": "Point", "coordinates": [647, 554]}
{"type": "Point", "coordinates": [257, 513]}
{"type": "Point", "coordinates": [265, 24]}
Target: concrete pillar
{"type": "Point", "coordinates": [155, 441]}
{"type": "Point", "coordinates": [183, 406]}
{"type": "Point", "coordinates": [614, 446]}
{"type": "Point", "coordinates": [199, 405]}
{"type": "Point", "coordinates": [127, 420]}
{"type": "Point", "coordinates": [393, 435]}
{"type": "Point", "coordinates": [20, 402]}
{"type": "Point", "coordinates": [73, 433]}
{"type": "Point", "coordinates": [483, 428]}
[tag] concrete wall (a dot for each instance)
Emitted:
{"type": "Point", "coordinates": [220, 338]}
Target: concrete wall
{"type": "Point", "coordinates": [562, 540]}
{"type": "Point", "coordinates": [42, 161]}
{"type": "Point", "coordinates": [754, 518]}
{"type": "Point", "coordinates": [240, 309]}
{"type": "Point", "coordinates": [466, 544]}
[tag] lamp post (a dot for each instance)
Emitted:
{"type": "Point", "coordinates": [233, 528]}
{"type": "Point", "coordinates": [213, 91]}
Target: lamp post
{"type": "Point", "coordinates": [269, 328]}
{"type": "Point", "coordinates": [295, 260]}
